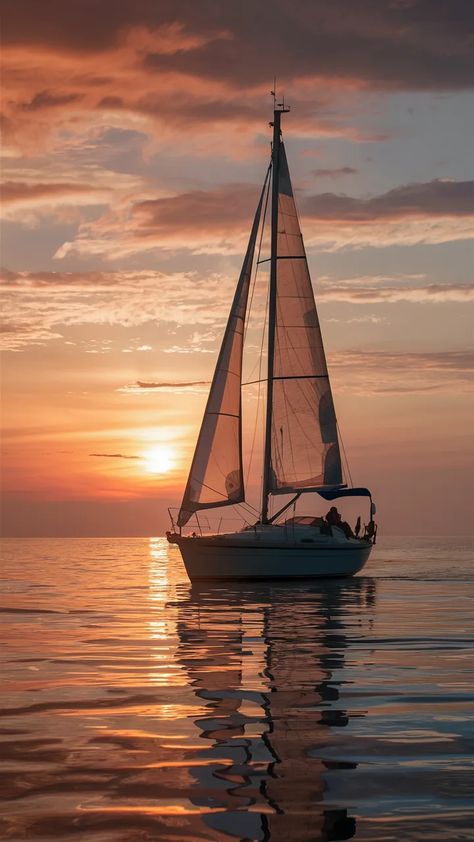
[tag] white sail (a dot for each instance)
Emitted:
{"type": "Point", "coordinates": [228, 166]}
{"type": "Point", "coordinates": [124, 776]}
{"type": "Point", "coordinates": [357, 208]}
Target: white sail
{"type": "Point", "coordinates": [216, 475]}
{"type": "Point", "coordinates": [304, 442]}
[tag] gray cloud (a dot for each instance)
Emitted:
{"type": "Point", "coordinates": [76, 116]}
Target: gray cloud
{"type": "Point", "coordinates": [46, 99]}
{"type": "Point", "coordinates": [415, 44]}
{"type": "Point", "coordinates": [433, 360]}
{"type": "Point", "coordinates": [334, 172]}
{"type": "Point", "coordinates": [414, 293]}
{"type": "Point", "coordinates": [398, 372]}
{"type": "Point", "coordinates": [433, 198]}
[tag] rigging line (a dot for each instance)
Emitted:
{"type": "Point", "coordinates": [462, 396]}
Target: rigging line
{"type": "Point", "coordinates": [241, 515]}
{"type": "Point", "coordinates": [254, 285]}
{"type": "Point", "coordinates": [259, 381]}
{"type": "Point", "coordinates": [247, 323]}
{"type": "Point", "coordinates": [263, 331]}
{"type": "Point", "coordinates": [344, 452]}
{"type": "Point", "coordinates": [267, 180]}
{"type": "Point", "coordinates": [245, 319]}
{"type": "Point", "coordinates": [210, 488]}
{"type": "Point", "coordinates": [249, 506]}
{"type": "Point", "coordinates": [250, 510]}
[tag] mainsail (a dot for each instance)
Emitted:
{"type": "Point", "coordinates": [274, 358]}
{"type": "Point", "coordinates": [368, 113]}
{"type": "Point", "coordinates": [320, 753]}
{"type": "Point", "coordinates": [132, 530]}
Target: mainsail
{"type": "Point", "coordinates": [304, 443]}
{"type": "Point", "coordinates": [216, 475]}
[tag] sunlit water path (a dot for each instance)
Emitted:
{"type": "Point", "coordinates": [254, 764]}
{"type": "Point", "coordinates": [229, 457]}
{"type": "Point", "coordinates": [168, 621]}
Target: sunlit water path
{"type": "Point", "coordinates": [137, 707]}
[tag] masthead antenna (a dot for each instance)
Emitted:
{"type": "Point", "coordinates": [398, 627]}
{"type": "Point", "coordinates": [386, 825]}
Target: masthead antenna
{"type": "Point", "coordinates": [278, 106]}
{"type": "Point", "coordinates": [273, 92]}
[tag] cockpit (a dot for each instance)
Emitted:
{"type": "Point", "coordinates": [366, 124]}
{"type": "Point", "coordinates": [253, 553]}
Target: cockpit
{"type": "Point", "coordinates": [304, 520]}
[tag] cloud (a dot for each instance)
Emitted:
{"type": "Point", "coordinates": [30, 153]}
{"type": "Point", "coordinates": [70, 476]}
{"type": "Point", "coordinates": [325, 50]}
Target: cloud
{"type": "Point", "coordinates": [46, 99]}
{"type": "Point", "coordinates": [13, 192]}
{"type": "Point", "coordinates": [195, 345]}
{"type": "Point", "coordinates": [128, 90]}
{"type": "Point", "coordinates": [39, 306]}
{"type": "Point", "coordinates": [28, 203]}
{"type": "Point", "coordinates": [371, 318]}
{"type": "Point", "coordinates": [387, 372]}
{"type": "Point", "coordinates": [433, 212]}
{"type": "Point", "coordinates": [415, 294]}
{"type": "Point", "coordinates": [32, 314]}
{"type": "Point", "coordinates": [152, 385]}
{"type": "Point", "coordinates": [159, 66]}
{"type": "Point", "coordinates": [399, 44]}
{"type": "Point", "coordinates": [114, 456]}
{"type": "Point", "coordinates": [334, 172]}
{"type": "Point", "coordinates": [187, 349]}
{"type": "Point", "coordinates": [370, 372]}
{"type": "Point", "coordinates": [439, 197]}
{"type": "Point", "coordinates": [451, 361]}
{"type": "Point", "coordinates": [216, 221]}
{"type": "Point", "coordinates": [60, 187]}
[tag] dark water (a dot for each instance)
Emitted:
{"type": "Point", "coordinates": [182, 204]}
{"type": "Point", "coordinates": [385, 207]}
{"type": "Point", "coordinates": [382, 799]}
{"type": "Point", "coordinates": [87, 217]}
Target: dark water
{"type": "Point", "coordinates": [136, 707]}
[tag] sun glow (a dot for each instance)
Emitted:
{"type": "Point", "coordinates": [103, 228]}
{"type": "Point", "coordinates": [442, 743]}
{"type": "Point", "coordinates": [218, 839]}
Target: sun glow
{"type": "Point", "coordinates": [158, 459]}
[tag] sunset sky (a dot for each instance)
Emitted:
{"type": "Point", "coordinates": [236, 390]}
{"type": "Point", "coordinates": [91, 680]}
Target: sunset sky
{"type": "Point", "coordinates": [136, 141]}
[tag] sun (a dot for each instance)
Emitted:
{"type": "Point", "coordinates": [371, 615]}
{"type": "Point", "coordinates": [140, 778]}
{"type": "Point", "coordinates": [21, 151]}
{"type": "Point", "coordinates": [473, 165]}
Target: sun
{"type": "Point", "coordinates": [158, 459]}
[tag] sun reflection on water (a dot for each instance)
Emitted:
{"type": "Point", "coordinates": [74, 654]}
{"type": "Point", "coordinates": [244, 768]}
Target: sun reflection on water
{"type": "Point", "coordinates": [162, 617]}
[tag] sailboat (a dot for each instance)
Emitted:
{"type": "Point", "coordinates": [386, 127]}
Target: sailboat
{"type": "Point", "coordinates": [301, 450]}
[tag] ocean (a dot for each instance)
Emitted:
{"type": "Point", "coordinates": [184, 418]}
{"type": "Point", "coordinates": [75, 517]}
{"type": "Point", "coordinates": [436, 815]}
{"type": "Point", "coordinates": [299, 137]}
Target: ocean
{"type": "Point", "coordinates": [137, 707]}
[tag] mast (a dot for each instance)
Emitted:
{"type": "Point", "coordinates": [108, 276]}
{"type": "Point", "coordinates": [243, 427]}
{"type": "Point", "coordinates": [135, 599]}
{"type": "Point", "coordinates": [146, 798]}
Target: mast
{"type": "Point", "coordinates": [278, 111]}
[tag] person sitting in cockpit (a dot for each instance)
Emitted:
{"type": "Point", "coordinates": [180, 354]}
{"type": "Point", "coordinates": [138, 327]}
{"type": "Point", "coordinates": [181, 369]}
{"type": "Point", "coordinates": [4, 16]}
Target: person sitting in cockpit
{"type": "Point", "coordinates": [333, 518]}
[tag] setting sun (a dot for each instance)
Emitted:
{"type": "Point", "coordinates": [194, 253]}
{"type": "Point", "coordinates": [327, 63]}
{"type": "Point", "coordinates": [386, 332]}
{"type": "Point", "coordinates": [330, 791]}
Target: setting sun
{"type": "Point", "coordinates": [158, 459]}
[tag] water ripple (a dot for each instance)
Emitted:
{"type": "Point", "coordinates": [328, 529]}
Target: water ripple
{"type": "Point", "coordinates": [138, 707]}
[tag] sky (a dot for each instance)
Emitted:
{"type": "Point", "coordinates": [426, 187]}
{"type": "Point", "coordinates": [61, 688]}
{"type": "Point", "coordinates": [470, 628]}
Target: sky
{"type": "Point", "coordinates": [135, 143]}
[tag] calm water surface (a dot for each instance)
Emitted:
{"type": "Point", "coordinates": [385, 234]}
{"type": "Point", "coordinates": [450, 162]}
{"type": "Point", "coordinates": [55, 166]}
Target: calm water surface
{"type": "Point", "coordinates": [137, 707]}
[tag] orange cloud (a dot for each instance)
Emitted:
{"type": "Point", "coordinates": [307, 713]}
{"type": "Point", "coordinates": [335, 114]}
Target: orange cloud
{"type": "Point", "coordinates": [15, 192]}
{"type": "Point", "coordinates": [216, 221]}
{"type": "Point", "coordinates": [33, 315]}
{"type": "Point", "coordinates": [39, 306]}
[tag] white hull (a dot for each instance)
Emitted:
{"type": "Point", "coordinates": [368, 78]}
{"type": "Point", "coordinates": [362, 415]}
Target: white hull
{"type": "Point", "coordinates": [271, 554]}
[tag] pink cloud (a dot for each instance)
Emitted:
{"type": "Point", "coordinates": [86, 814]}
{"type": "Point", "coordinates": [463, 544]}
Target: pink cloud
{"type": "Point", "coordinates": [216, 220]}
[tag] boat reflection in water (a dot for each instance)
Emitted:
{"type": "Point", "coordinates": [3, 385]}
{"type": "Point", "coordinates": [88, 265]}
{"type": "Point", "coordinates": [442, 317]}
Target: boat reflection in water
{"type": "Point", "coordinates": [266, 661]}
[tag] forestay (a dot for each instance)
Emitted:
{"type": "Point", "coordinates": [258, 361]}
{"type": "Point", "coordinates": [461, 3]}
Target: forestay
{"type": "Point", "coordinates": [216, 475]}
{"type": "Point", "coordinates": [304, 442]}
